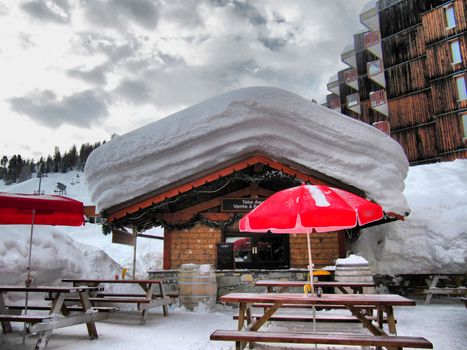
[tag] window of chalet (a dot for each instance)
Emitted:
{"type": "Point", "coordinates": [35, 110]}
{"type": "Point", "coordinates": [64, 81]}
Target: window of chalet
{"type": "Point", "coordinates": [464, 124]}
{"type": "Point", "coordinates": [461, 87]}
{"type": "Point", "coordinates": [455, 52]}
{"type": "Point", "coordinates": [450, 16]}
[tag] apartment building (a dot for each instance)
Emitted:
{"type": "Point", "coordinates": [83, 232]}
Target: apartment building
{"type": "Point", "coordinates": [407, 76]}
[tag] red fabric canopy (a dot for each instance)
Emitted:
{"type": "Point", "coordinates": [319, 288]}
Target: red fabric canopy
{"type": "Point", "coordinates": [17, 209]}
{"type": "Point", "coordinates": [308, 208]}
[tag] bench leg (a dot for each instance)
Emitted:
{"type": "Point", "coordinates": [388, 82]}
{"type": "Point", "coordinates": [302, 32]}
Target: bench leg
{"type": "Point", "coordinates": [433, 284]}
{"type": "Point", "coordinates": [43, 340]}
{"type": "Point", "coordinates": [91, 326]}
{"type": "Point", "coordinates": [143, 317]}
{"type": "Point", "coordinates": [6, 325]}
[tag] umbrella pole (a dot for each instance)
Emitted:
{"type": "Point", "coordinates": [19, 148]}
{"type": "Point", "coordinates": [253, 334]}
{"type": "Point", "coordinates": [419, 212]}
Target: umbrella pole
{"type": "Point", "coordinates": [310, 264]}
{"type": "Point", "coordinates": [28, 275]}
{"type": "Point", "coordinates": [310, 267]}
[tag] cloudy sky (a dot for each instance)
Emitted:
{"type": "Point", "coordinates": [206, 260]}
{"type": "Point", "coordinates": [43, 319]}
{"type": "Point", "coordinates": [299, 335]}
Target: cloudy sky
{"type": "Point", "coordinates": [76, 71]}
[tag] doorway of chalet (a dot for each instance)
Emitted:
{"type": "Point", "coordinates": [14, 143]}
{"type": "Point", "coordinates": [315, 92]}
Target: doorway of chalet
{"type": "Point", "coordinates": [259, 250]}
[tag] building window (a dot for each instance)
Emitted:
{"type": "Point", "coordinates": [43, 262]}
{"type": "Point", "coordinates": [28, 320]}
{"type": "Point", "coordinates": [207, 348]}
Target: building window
{"type": "Point", "coordinates": [461, 87]}
{"type": "Point", "coordinates": [455, 52]}
{"type": "Point", "coordinates": [464, 124]}
{"type": "Point", "coordinates": [353, 100]}
{"type": "Point", "coordinates": [374, 67]}
{"type": "Point", "coordinates": [450, 16]}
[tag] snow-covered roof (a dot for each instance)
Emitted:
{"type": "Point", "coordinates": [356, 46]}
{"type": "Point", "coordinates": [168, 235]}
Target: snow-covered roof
{"type": "Point", "coordinates": [241, 122]}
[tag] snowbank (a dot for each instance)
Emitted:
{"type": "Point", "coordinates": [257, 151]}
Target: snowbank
{"type": "Point", "coordinates": [433, 239]}
{"type": "Point", "coordinates": [257, 119]}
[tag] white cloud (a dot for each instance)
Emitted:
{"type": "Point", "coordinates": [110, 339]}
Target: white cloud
{"type": "Point", "coordinates": [112, 65]}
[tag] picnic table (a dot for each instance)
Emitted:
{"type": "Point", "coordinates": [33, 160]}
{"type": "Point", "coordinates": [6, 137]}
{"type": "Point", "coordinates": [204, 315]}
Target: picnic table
{"type": "Point", "coordinates": [151, 297]}
{"type": "Point", "coordinates": [58, 314]}
{"type": "Point", "coordinates": [283, 286]}
{"type": "Point", "coordinates": [249, 325]}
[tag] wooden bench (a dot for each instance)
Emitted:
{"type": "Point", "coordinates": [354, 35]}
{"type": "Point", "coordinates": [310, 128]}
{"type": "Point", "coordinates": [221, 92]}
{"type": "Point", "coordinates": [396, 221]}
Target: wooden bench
{"type": "Point", "coordinates": [24, 318]}
{"type": "Point", "coordinates": [136, 295]}
{"type": "Point", "coordinates": [19, 308]}
{"type": "Point", "coordinates": [398, 342]}
{"type": "Point", "coordinates": [308, 306]}
{"type": "Point", "coordinates": [318, 318]}
{"type": "Point", "coordinates": [454, 291]}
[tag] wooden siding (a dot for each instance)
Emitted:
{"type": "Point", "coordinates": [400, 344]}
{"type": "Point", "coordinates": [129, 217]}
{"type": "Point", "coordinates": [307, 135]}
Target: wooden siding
{"type": "Point", "coordinates": [403, 47]}
{"type": "Point", "coordinates": [434, 22]}
{"type": "Point", "coordinates": [368, 114]}
{"type": "Point", "coordinates": [449, 132]}
{"type": "Point", "coordinates": [444, 95]}
{"type": "Point", "coordinates": [406, 78]}
{"type": "Point", "coordinates": [419, 143]}
{"type": "Point", "coordinates": [403, 15]}
{"type": "Point", "coordinates": [439, 58]}
{"type": "Point", "coordinates": [410, 110]}
{"type": "Point", "coordinates": [366, 86]}
{"type": "Point", "coordinates": [324, 248]}
{"type": "Point", "coordinates": [362, 59]}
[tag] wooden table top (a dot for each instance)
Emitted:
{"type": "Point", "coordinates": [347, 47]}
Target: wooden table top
{"type": "Point", "coordinates": [331, 299]}
{"type": "Point", "coordinates": [279, 283]}
{"type": "Point", "coordinates": [83, 280]}
{"type": "Point", "coordinates": [48, 289]}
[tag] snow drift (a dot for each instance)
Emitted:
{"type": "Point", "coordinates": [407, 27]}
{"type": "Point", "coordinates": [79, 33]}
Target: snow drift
{"type": "Point", "coordinates": [433, 239]}
{"type": "Point", "coordinates": [256, 119]}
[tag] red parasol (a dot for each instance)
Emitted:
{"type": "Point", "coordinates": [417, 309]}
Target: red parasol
{"type": "Point", "coordinates": [309, 208]}
{"type": "Point", "coordinates": [19, 209]}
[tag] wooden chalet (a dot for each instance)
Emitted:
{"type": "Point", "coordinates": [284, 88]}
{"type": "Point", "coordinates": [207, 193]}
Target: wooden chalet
{"type": "Point", "coordinates": [200, 217]}
{"type": "Point", "coordinates": [197, 186]}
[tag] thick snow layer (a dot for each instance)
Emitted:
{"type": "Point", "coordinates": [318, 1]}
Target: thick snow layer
{"type": "Point", "coordinates": [433, 238]}
{"type": "Point", "coordinates": [257, 119]}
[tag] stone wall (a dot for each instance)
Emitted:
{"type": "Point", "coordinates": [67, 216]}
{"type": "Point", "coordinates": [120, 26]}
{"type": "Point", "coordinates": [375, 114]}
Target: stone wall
{"type": "Point", "coordinates": [234, 280]}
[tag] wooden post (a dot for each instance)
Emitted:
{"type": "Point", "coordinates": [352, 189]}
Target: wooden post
{"type": "Point", "coordinates": [135, 233]}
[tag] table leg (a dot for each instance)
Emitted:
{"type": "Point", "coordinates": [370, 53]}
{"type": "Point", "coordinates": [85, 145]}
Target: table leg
{"type": "Point", "coordinates": [343, 290]}
{"type": "Point", "coordinates": [254, 326]}
{"type": "Point", "coordinates": [55, 309]}
{"type": "Point", "coordinates": [391, 320]}
{"type": "Point", "coordinates": [165, 308]}
{"type": "Point", "coordinates": [366, 323]}
{"type": "Point", "coordinates": [6, 325]}
{"type": "Point", "coordinates": [87, 307]}
{"type": "Point", "coordinates": [433, 284]}
{"type": "Point", "coordinates": [41, 343]}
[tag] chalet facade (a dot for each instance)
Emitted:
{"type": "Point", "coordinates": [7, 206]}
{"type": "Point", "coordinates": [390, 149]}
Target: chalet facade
{"type": "Point", "coordinates": [407, 76]}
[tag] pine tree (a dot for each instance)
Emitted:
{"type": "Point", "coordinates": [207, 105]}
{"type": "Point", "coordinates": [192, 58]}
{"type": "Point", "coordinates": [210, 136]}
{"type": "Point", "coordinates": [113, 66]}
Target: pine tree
{"type": "Point", "coordinates": [57, 160]}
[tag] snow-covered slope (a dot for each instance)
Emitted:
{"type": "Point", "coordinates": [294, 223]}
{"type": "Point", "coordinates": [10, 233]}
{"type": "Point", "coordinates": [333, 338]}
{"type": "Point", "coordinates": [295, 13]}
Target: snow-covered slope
{"type": "Point", "coordinates": [60, 251]}
{"type": "Point", "coordinates": [257, 119]}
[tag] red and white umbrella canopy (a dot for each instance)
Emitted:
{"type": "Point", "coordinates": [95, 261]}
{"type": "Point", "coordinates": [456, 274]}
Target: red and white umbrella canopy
{"type": "Point", "coordinates": [311, 208]}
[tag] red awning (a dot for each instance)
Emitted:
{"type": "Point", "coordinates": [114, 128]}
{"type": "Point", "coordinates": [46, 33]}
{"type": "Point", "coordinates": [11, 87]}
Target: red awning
{"type": "Point", "coordinates": [17, 208]}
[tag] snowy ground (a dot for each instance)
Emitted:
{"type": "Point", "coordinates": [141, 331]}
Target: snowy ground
{"type": "Point", "coordinates": [444, 323]}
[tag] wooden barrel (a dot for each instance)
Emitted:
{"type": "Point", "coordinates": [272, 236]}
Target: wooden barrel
{"type": "Point", "coordinates": [354, 273]}
{"type": "Point", "coordinates": [197, 284]}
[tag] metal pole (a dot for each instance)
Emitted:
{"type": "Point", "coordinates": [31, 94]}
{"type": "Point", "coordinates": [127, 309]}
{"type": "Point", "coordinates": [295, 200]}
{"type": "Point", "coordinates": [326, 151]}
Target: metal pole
{"type": "Point", "coordinates": [135, 233]}
{"type": "Point", "coordinates": [310, 267]}
{"type": "Point", "coordinates": [28, 275]}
